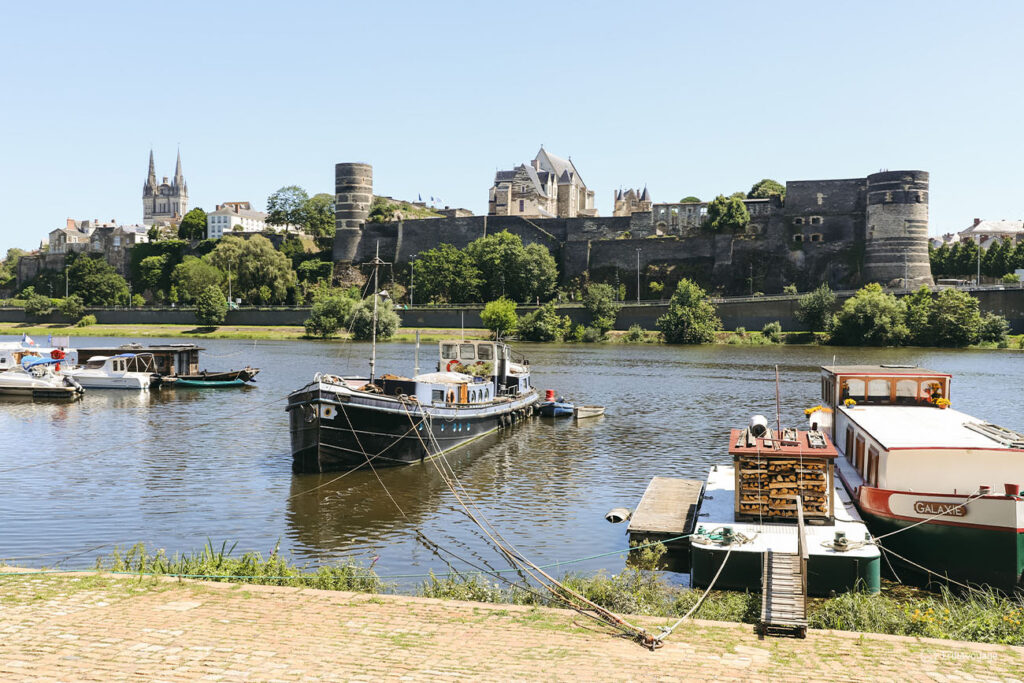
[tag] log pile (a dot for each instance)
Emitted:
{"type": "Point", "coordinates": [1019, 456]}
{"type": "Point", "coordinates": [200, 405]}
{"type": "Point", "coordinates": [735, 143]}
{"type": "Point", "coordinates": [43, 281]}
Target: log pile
{"type": "Point", "coordinates": [766, 485]}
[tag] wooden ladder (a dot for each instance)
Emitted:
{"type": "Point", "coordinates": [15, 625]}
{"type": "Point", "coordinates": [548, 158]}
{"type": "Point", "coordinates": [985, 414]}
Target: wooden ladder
{"type": "Point", "coordinates": [784, 587]}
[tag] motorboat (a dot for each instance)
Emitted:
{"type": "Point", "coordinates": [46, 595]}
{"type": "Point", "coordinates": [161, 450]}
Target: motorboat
{"type": "Point", "coordinates": [37, 377]}
{"type": "Point", "coordinates": [124, 371]}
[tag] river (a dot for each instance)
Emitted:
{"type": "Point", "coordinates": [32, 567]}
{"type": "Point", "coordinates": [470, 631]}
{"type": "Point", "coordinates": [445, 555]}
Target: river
{"type": "Point", "coordinates": [173, 468]}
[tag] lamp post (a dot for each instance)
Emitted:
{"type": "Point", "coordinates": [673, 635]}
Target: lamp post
{"type": "Point", "coordinates": [978, 280]}
{"type": "Point", "coordinates": [638, 274]}
{"type": "Point", "coordinates": [412, 281]}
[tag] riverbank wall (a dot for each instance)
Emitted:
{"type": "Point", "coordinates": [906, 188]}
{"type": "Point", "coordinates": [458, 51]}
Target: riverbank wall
{"type": "Point", "coordinates": [751, 313]}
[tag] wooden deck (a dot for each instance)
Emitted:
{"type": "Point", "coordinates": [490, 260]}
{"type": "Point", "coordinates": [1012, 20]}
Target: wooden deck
{"type": "Point", "coordinates": [668, 508]}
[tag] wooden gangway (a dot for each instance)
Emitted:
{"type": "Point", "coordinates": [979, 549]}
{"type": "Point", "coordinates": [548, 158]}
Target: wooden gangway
{"type": "Point", "coordinates": [784, 587]}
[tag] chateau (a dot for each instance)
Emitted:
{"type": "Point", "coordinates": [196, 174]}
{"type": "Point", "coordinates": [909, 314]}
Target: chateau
{"type": "Point", "coordinates": [842, 232]}
{"type": "Point", "coordinates": [167, 202]}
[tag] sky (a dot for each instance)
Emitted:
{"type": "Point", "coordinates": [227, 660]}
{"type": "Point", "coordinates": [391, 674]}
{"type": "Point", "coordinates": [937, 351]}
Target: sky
{"type": "Point", "coordinates": [686, 98]}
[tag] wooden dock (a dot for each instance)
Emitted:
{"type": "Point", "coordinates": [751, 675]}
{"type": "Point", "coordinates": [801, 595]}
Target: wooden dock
{"type": "Point", "coordinates": [668, 509]}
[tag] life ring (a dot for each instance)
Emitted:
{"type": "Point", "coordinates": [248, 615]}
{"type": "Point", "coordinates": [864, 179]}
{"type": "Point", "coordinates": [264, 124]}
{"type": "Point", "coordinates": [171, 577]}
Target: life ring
{"type": "Point", "coordinates": [57, 354]}
{"type": "Point", "coordinates": [448, 368]}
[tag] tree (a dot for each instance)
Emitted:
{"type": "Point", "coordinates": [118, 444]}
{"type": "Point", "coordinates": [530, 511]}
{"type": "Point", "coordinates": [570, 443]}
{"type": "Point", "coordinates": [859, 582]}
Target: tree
{"type": "Point", "coordinates": [315, 270]}
{"type": "Point", "coordinates": [37, 305]}
{"type": "Point", "coordinates": [193, 276]}
{"type": "Point", "coordinates": [259, 273]}
{"type": "Point", "coordinates": [599, 300]}
{"type": "Point", "coordinates": [193, 225]}
{"type": "Point", "coordinates": [939, 259]}
{"type": "Point", "coordinates": [534, 273]}
{"type": "Point", "coordinates": [997, 261]}
{"type": "Point", "coordinates": [727, 214]}
{"type": "Point", "coordinates": [766, 188]}
{"type": "Point", "coordinates": [814, 309]}
{"type": "Point", "coordinates": [211, 306]}
{"type": "Point", "coordinates": [955, 319]}
{"type": "Point", "coordinates": [96, 281]}
{"type": "Point", "coordinates": [994, 328]}
{"type": "Point", "coordinates": [152, 272]}
{"type": "Point", "coordinates": [493, 257]}
{"type": "Point", "coordinates": [499, 317]}
{"type": "Point", "coordinates": [287, 206]}
{"type": "Point", "coordinates": [919, 311]}
{"type": "Point", "coordinates": [362, 320]}
{"type": "Point", "coordinates": [871, 317]}
{"type": "Point", "coordinates": [691, 317]}
{"type": "Point", "coordinates": [544, 324]}
{"type": "Point", "coordinates": [72, 307]}
{"type": "Point", "coordinates": [330, 314]}
{"type": "Point", "coordinates": [318, 215]}
{"type": "Point", "coordinates": [446, 275]}
{"type": "Point", "coordinates": [690, 199]}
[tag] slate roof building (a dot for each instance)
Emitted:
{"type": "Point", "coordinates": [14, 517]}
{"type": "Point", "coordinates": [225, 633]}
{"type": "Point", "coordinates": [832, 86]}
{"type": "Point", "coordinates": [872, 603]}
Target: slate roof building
{"type": "Point", "coordinates": [546, 187]}
{"type": "Point", "coordinates": [985, 233]}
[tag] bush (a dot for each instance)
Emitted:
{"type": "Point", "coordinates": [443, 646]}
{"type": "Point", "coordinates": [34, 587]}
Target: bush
{"type": "Point", "coordinates": [691, 317]}
{"type": "Point", "coordinates": [329, 314]}
{"type": "Point", "coordinates": [138, 300]}
{"type": "Point", "coordinates": [814, 309]}
{"type": "Point", "coordinates": [543, 325]}
{"type": "Point", "coordinates": [635, 335]}
{"type": "Point", "coordinates": [211, 306]}
{"type": "Point", "coordinates": [37, 305]}
{"type": "Point", "coordinates": [592, 335]}
{"type": "Point", "coordinates": [575, 333]}
{"type": "Point", "coordinates": [86, 321]}
{"type": "Point", "coordinates": [772, 332]}
{"type": "Point", "coordinates": [72, 307]}
{"type": "Point", "coordinates": [499, 317]}
{"type": "Point", "coordinates": [871, 318]}
{"type": "Point", "coordinates": [789, 289]}
{"type": "Point", "coordinates": [362, 320]}
{"type": "Point", "coordinates": [599, 300]}
{"type": "Point", "coordinates": [955, 319]}
{"type": "Point", "coordinates": [993, 328]}
{"type": "Point", "coordinates": [1010, 278]}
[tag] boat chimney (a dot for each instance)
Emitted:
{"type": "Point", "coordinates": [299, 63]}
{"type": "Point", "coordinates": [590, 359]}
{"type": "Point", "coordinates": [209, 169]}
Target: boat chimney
{"type": "Point", "coordinates": [549, 395]}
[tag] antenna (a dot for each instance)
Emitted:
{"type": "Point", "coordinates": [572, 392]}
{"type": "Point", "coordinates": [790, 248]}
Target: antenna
{"type": "Point", "coordinates": [778, 410]}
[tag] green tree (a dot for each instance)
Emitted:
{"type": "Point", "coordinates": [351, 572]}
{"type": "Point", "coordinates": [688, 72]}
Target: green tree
{"type": "Point", "coordinates": [918, 317]}
{"type": "Point", "coordinates": [544, 324]}
{"type": "Point", "coordinates": [994, 328]}
{"type": "Point", "coordinates": [955, 319]}
{"type": "Point", "coordinates": [997, 260]}
{"type": "Point", "coordinates": [814, 309]}
{"type": "Point", "coordinates": [287, 206]}
{"type": "Point", "coordinates": [691, 317]}
{"type": "Point", "coordinates": [315, 270]}
{"type": "Point", "coordinates": [939, 259]}
{"type": "Point", "coordinates": [446, 275]}
{"type": "Point", "coordinates": [318, 215]}
{"type": "Point", "coordinates": [96, 281]}
{"type": "Point", "coordinates": [193, 276]}
{"type": "Point", "coordinates": [72, 307]}
{"type": "Point", "coordinates": [534, 273]}
{"type": "Point", "coordinates": [871, 317]}
{"type": "Point", "coordinates": [152, 272]}
{"type": "Point", "coordinates": [690, 199]}
{"type": "Point", "coordinates": [259, 273]}
{"type": "Point", "coordinates": [499, 317]}
{"type": "Point", "coordinates": [494, 256]}
{"type": "Point", "coordinates": [766, 188]}
{"type": "Point", "coordinates": [966, 263]}
{"type": "Point", "coordinates": [727, 214]}
{"type": "Point", "coordinates": [211, 306]}
{"type": "Point", "coordinates": [330, 314]}
{"type": "Point", "coordinates": [193, 225]}
{"type": "Point", "coordinates": [599, 300]}
{"type": "Point", "coordinates": [37, 305]}
{"type": "Point", "coordinates": [362, 320]}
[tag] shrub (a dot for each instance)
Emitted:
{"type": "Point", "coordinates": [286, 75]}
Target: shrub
{"type": "Point", "coordinates": [635, 335]}
{"type": "Point", "coordinates": [1010, 278]}
{"type": "Point", "coordinates": [362, 320]}
{"type": "Point", "coordinates": [86, 321]}
{"type": "Point", "coordinates": [789, 289]}
{"type": "Point", "coordinates": [871, 317]}
{"type": "Point", "coordinates": [499, 317]}
{"type": "Point", "coordinates": [955, 319]}
{"type": "Point", "coordinates": [592, 335]}
{"type": "Point", "coordinates": [993, 328]}
{"type": "Point", "coordinates": [138, 300]}
{"type": "Point", "coordinates": [814, 309]}
{"type": "Point", "coordinates": [329, 314]}
{"type": "Point", "coordinates": [772, 332]}
{"type": "Point", "coordinates": [691, 317]}
{"type": "Point", "coordinates": [575, 333]}
{"type": "Point", "coordinates": [37, 305]}
{"type": "Point", "coordinates": [72, 307]}
{"type": "Point", "coordinates": [543, 325]}
{"type": "Point", "coordinates": [211, 306]}
{"type": "Point", "coordinates": [599, 300]}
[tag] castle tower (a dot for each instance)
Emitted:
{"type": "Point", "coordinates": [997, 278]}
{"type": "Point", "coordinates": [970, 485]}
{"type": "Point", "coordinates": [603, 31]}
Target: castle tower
{"type": "Point", "coordinates": [353, 194]}
{"type": "Point", "coordinates": [896, 228]}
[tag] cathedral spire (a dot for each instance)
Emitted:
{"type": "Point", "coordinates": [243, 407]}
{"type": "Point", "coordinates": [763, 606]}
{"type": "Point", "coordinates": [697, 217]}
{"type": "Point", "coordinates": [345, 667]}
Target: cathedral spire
{"type": "Point", "coordinates": [179, 180]}
{"type": "Point", "coordinates": [151, 180]}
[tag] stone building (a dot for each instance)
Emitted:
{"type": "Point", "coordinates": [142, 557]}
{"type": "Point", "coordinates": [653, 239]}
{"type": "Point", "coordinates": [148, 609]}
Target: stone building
{"type": "Point", "coordinates": [547, 187]}
{"type": "Point", "coordinates": [165, 202]}
{"type": "Point", "coordinates": [631, 201]}
{"type": "Point", "coordinates": [107, 238]}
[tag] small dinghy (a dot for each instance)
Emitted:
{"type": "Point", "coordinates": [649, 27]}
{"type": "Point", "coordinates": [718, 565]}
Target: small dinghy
{"type": "Point", "coordinates": [551, 407]}
{"type": "Point", "coordinates": [233, 378]}
{"type": "Point", "coordinates": [581, 412]}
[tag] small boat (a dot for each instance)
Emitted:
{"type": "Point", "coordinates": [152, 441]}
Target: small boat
{"type": "Point", "coordinates": [37, 377]}
{"type": "Point", "coordinates": [11, 353]}
{"type": "Point", "coordinates": [123, 371]}
{"type": "Point", "coordinates": [583, 412]}
{"type": "Point", "coordinates": [550, 407]}
{"type": "Point", "coordinates": [232, 378]}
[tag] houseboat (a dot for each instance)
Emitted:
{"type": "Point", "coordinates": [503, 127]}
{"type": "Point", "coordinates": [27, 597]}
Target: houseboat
{"type": "Point", "coordinates": [938, 488]}
{"type": "Point", "coordinates": [341, 423]}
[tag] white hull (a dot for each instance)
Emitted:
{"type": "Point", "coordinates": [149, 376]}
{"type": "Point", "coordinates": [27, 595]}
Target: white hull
{"type": "Point", "coordinates": [140, 383]}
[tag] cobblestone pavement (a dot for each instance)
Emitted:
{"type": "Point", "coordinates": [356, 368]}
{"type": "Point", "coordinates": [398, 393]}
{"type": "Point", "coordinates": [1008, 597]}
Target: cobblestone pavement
{"type": "Point", "coordinates": [86, 627]}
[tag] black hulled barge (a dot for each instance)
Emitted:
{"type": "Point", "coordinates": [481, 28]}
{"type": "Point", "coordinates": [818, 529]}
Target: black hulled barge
{"type": "Point", "coordinates": [343, 423]}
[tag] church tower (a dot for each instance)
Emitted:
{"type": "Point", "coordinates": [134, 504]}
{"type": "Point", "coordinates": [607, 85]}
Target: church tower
{"type": "Point", "coordinates": [164, 202]}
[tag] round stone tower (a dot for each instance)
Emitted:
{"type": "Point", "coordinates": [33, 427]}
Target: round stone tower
{"type": "Point", "coordinates": [353, 194]}
{"type": "Point", "coordinates": [896, 224]}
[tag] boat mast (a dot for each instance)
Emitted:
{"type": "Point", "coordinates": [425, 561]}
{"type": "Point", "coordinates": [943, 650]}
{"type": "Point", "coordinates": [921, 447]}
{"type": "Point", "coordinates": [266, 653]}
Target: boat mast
{"type": "Point", "coordinates": [416, 369]}
{"type": "Point", "coordinates": [373, 332]}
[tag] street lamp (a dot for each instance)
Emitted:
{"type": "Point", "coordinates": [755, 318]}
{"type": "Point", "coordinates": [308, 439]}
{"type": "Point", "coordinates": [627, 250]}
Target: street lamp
{"type": "Point", "coordinates": [412, 280]}
{"type": "Point", "coordinates": [638, 274]}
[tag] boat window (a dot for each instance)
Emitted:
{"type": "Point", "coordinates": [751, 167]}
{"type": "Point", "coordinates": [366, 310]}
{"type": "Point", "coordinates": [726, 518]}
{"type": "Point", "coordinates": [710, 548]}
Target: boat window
{"type": "Point", "coordinates": [931, 389]}
{"type": "Point", "coordinates": [871, 476]}
{"type": "Point", "coordinates": [448, 351]}
{"type": "Point", "coordinates": [859, 463]}
{"type": "Point", "coordinates": [484, 351]}
{"type": "Point", "coordinates": [853, 388]}
{"type": "Point", "coordinates": [472, 397]}
{"type": "Point", "coordinates": [879, 390]}
{"type": "Point", "coordinates": [849, 444]}
{"type": "Point", "coordinates": [467, 351]}
{"type": "Point", "coordinates": [906, 390]}
{"type": "Point", "coordinates": [437, 395]}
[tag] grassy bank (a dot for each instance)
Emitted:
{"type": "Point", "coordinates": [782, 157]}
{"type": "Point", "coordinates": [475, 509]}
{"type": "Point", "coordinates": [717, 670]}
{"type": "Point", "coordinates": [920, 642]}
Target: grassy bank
{"type": "Point", "coordinates": [980, 616]}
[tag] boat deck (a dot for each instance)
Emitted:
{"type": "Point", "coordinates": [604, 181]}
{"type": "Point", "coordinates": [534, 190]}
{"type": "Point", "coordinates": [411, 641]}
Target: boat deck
{"type": "Point", "coordinates": [668, 508]}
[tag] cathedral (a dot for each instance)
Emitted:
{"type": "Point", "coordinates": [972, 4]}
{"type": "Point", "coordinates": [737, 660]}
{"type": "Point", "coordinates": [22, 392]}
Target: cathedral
{"type": "Point", "coordinates": [167, 202]}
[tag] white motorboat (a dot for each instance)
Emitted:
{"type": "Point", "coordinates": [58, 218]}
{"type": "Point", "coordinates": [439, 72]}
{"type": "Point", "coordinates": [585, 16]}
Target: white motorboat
{"type": "Point", "coordinates": [37, 378]}
{"type": "Point", "coordinates": [124, 371]}
{"type": "Point", "coordinates": [12, 353]}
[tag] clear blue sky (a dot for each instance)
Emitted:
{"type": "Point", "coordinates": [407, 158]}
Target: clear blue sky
{"type": "Point", "coordinates": [687, 98]}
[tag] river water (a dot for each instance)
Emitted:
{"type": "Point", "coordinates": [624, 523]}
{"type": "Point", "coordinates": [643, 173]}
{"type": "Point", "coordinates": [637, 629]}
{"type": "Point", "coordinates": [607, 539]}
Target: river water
{"type": "Point", "coordinates": [175, 468]}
